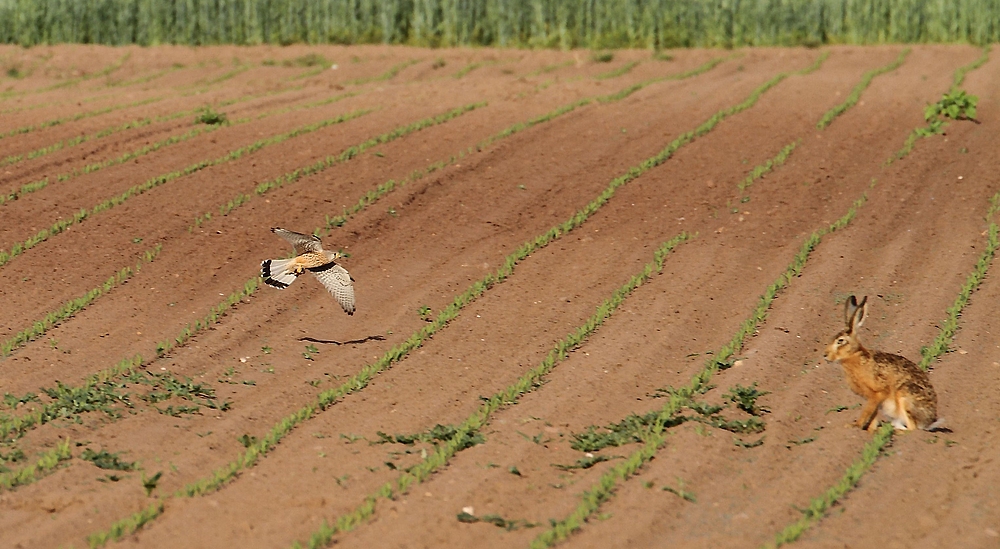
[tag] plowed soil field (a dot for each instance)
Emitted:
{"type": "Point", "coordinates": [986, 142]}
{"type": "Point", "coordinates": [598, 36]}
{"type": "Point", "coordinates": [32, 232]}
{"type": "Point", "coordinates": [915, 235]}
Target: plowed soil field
{"type": "Point", "coordinates": [566, 272]}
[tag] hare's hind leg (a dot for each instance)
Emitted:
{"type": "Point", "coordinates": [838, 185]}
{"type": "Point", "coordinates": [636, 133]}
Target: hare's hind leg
{"type": "Point", "coordinates": [905, 407]}
{"type": "Point", "coordinates": [897, 409]}
{"type": "Point", "coordinates": [867, 418]}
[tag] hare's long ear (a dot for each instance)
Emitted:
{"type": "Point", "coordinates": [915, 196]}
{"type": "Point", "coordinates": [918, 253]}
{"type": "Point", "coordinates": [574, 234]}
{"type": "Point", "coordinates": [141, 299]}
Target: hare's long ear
{"type": "Point", "coordinates": [860, 314]}
{"type": "Point", "coordinates": [850, 306]}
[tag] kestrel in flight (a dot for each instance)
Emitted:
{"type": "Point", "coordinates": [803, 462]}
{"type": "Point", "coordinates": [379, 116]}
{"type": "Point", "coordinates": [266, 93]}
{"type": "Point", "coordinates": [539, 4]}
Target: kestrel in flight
{"type": "Point", "coordinates": [310, 256]}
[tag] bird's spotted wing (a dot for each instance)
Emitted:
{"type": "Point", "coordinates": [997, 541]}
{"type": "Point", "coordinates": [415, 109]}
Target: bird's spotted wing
{"type": "Point", "coordinates": [302, 242]}
{"type": "Point", "coordinates": [336, 279]}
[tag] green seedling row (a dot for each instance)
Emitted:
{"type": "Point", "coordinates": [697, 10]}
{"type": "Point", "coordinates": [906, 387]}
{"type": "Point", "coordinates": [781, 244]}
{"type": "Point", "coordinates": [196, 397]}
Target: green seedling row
{"type": "Point", "coordinates": [229, 75]}
{"type": "Point", "coordinates": [79, 140]}
{"type": "Point", "coordinates": [818, 507]}
{"type": "Point", "coordinates": [136, 190]}
{"type": "Point", "coordinates": [911, 141]}
{"type": "Point", "coordinates": [263, 445]}
{"type": "Point", "coordinates": [312, 104]}
{"type": "Point", "coordinates": [172, 140]}
{"type": "Point", "coordinates": [855, 94]}
{"type": "Point", "coordinates": [950, 325]}
{"type": "Point", "coordinates": [816, 64]}
{"type": "Point", "coordinates": [213, 317]}
{"type": "Point", "coordinates": [70, 308]}
{"type": "Point", "coordinates": [767, 167]}
{"type": "Point", "coordinates": [138, 123]}
{"type": "Point", "coordinates": [40, 184]}
{"type": "Point", "coordinates": [471, 427]}
{"type": "Point", "coordinates": [30, 473]}
{"type": "Point", "coordinates": [387, 75]}
{"type": "Point", "coordinates": [79, 116]}
{"type": "Point", "coordinates": [383, 189]}
{"type": "Point", "coordinates": [12, 428]}
{"type": "Point", "coordinates": [127, 525]}
{"type": "Point", "coordinates": [36, 106]}
{"type": "Point", "coordinates": [146, 78]}
{"type": "Point", "coordinates": [653, 437]}
{"type": "Point", "coordinates": [332, 160]}
{"type": "Point", "coordinates": [994, 207]}
{"type": "Point", "coordinates": [355, 150]}
{"type": "Point", "coordinates": [624, 69]}
{"type": "Point", "coordinates": [960, 73]}
{"type": "Point", "coordinates": [687, 74]}
{"type": "Point", "coordinates": [309, 73]}
{"type": "Point", "coordinates": [467, 69]}
{"type": "Point", "coordinates": [549, 68]}
{"type": "Point", "coordinates": [73, 81]}
{"type": "Point", "coordinates": [318, 62]}
{"type": "Point", "coordinates": [374, 195]}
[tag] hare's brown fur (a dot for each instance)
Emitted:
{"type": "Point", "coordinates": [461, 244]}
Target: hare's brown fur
{"type": "Point", "coordinates": [890, 383]}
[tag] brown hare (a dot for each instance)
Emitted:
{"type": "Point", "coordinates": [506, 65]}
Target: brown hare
{"type": "Point", "coordinates": [891, 383]}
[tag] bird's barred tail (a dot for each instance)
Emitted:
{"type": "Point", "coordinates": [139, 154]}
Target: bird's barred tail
{"type": "Point", "coordinates": [277, 272]}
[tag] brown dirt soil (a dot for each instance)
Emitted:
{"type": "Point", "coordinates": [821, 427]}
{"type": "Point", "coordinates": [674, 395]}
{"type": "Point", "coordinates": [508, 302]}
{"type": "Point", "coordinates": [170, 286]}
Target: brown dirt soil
{"type": "Point", "coordinates": [909, 248]}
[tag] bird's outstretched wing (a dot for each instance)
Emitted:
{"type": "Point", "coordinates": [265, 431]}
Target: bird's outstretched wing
{"type": "Point", "coordinates": [339, 283]}
{"type": "Point", "coordinates": [301, 242]}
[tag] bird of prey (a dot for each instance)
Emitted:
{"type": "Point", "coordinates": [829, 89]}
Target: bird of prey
{"type": "Point", "coordinates": [310, 256]}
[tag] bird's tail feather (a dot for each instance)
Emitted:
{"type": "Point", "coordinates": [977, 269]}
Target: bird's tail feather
{"type": "Point", "coordinates": [277, 272]}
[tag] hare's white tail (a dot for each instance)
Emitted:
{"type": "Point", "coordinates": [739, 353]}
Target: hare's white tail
{"type": "Point", "coordinates": [937, 425]}
{"type": "Point", "coordinates": [277, 272]}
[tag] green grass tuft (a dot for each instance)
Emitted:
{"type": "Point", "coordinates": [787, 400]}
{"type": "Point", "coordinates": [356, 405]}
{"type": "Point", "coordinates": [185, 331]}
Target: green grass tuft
{"type": "Point", "coordinates": [210, 117]}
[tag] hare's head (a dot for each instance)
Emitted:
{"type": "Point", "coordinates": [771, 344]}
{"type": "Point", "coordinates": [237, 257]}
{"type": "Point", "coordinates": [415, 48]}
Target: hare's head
{"type": "Point", "coordinates": [846, 343]}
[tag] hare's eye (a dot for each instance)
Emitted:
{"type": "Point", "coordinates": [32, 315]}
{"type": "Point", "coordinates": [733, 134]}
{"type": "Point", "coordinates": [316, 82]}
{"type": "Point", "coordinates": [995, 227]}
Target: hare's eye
{"type": "Point", "coordinates": [841, 341]}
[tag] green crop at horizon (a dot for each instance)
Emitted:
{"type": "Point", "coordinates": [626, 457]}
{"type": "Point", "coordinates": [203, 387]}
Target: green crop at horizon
{"type": "Point", "coordinates": [504, 23]}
